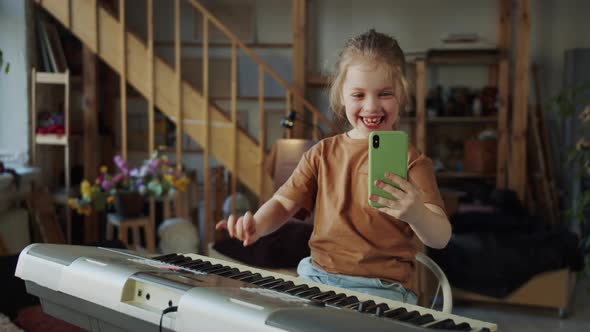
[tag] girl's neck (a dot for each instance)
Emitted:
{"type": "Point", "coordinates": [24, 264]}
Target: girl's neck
{"type": "Point", "coordinates": [355, 134]}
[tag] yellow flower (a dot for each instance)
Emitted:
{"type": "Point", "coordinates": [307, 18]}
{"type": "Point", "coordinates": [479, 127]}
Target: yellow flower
{"type": "Point", "coordinates": [85, 189]}
{"type": "Point", "coordinates": [103, 169]}
{"type": "Point", "coordinates": [73, 203]}
{"type": "Point", "coordinates": [110, 200]}
{"type": "Point", "coordinates": [181, 183]}
{"type": "Point", "coordinates": [169, 178]}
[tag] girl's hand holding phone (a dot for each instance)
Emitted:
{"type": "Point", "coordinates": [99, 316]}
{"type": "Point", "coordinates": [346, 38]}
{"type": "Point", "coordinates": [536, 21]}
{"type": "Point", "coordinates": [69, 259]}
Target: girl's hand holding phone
{"type": "Point", "coordinates": [242, 228]}
{"type": "Point", "coordinates": [409, 203]}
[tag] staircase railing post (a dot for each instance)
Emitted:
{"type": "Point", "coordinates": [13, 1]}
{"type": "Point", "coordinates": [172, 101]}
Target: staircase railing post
{"type": "Point", "coordinates": [261, 132]}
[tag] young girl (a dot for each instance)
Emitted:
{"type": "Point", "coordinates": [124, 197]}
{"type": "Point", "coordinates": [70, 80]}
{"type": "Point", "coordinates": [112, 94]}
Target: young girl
{"type": "Point", "coordinates": [354, 245]}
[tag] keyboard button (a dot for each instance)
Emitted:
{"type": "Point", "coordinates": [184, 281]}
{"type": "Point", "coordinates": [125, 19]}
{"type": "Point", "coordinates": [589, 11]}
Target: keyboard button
{"type": "Point", "coordinates": [363, 305]}
{"type": "Point", "coordinates": [445, 324]}
{"type": "Point", "coordinates": [395, 313]}
{"type": "Point", "coordinates": [422, 319]}
{"type": "Point", "coordinates": [409, 316]}
{"type": "Point", "coordinates": [380, 309]}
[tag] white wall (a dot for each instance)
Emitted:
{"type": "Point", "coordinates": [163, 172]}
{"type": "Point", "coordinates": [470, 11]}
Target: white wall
{"type": "Point", "coordinates": [14, 100]}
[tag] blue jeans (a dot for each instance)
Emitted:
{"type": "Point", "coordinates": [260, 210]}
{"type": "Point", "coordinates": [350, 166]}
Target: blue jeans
{"type": "Point", "coordinates": [372, 286]}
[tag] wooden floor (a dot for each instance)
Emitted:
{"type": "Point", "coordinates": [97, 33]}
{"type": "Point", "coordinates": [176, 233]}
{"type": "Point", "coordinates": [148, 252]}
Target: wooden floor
{"type": "Point", "coordinates": [527, 319]}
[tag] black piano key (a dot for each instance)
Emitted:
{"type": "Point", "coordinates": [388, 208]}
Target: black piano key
{"type": "Point", "coordinates": [191, 263]}
{"type": "Point", "coordinates": [352, 306]}
{"type": "Point", "coordinates": [422, 319]}
{"type": "Point", "coordinates": [346, 301]}
{"type": "Point", "coordinates": [445, 324]}
{"type": "Point", "coordinates": [229, 272]}
{"type": "Point", "coordinates": [165, 258]}
{"type": "Point", "coordinates": [363, 305]}
{"type": "Point", "coordinates": [250, 278]}
{"type": "Point", "coordinates": [296, 289]}
{"type": "Point", "coordinates": [322, 295]}
{"type": "Point", "coordinates": [409, 316]}
{"type": "Point", "coordinates": [308, 292]}
{"type": "Point", "coordinates": [210, 268]}
{"type": "Point", "coordinates": [464, 327]}
{"type": "Point", "coordinates": [262, 280]}
{"type": "Point", "coordinates": [334, 298]}
{"type": "Point", "coordinates": [239, 275]}
{"type": "Point", "coordinates": [271, 283]}
{"type": "Point", "coordinates": [200, 266]}
{"type": "Point", "coordinates": [380, 309]}
{"type": "Point", "coordinates": [218, 270]}
{"type": "Point", "coordinates": [283, 286]}
{"type": "Point", "coordinates": [394, 313]}
{"type": "Point", "coordinates": [179, 260]}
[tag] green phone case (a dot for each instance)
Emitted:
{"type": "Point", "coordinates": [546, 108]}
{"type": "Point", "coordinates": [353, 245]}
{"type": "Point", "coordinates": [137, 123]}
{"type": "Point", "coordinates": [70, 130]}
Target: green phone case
{"type": "Point", "coordinates": [389, 155]}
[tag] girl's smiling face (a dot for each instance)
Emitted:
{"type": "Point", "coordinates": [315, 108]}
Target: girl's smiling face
{"type": "Point", "coordinates": [368, 96]}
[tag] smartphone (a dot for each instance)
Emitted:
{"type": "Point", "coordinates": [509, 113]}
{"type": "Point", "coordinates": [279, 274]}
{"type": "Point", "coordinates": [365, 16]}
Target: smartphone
{"type": "Point", "coordinates": [388, 152]}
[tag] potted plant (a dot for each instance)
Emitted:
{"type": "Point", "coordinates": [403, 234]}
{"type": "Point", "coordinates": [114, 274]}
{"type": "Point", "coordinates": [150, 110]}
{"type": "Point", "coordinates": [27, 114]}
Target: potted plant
{"type": "Point", "coordinates": [566, 104]}
{"type": "Point", "coordinates": [127, 188]}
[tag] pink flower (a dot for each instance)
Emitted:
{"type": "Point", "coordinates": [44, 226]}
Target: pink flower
{"type": "Point", "coordinates": [122, 164]}
{"type": "Point", "coordinates": [106, 185]}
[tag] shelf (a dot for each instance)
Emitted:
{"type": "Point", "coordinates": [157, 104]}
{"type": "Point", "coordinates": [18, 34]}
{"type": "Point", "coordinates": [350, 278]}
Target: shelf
{"type": "Point", "coordinates": [56, 78]}
{"type": "Point", "coordinates": [462, 119]}
{"type": "Point", "coordinates": [463, 175]}
{"type": "Point", "coordinates": [51, 139]}
{"type": "Point", "coordinates": [464, 56]}
{"type": "Point", "coordinates": [51, 78]}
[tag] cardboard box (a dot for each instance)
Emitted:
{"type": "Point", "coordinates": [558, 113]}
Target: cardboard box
{"type": "Point", "coordinates": [480, 156]}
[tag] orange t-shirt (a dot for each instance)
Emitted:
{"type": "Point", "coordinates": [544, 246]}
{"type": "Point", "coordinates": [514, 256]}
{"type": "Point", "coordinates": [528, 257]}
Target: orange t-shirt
{"type": "Point", "coordinates": [350, 237]}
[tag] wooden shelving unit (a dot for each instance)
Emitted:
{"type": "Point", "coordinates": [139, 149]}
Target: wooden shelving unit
{"type": "Point", "coordinates": [44, 140]}
{"type": "Point", "coordinates": [424, 124]}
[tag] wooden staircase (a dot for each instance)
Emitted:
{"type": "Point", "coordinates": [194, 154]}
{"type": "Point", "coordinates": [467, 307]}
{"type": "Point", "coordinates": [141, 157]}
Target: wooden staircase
{"type": "Point", "coordinates": [101, 31]}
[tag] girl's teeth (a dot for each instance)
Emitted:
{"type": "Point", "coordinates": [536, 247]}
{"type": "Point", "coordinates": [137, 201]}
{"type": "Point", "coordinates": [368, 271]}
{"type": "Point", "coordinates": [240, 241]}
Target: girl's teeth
{"type": "Point", "coordinates": [372, 121]}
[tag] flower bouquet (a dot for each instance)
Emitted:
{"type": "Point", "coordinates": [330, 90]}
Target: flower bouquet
{"type": "Point", "coordinates": [154, 178]}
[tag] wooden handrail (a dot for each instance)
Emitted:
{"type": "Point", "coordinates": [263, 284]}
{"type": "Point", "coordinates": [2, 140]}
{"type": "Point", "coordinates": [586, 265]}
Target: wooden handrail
{"type": "Point", "coordinates": [232, 38]}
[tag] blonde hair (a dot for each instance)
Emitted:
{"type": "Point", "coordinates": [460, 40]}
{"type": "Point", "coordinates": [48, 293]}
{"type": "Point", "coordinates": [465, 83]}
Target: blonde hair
{"type": "Point", "coordinates": [375, 47]}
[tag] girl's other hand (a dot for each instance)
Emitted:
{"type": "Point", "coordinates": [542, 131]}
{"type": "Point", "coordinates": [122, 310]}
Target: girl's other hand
{"type": "Point", "coordinates": [242, 228]}
{"type": "Point", "coordinates": [408, 205]}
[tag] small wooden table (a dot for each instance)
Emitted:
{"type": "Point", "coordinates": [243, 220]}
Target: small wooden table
{"type": "Point", "coordinates": [134, 224]}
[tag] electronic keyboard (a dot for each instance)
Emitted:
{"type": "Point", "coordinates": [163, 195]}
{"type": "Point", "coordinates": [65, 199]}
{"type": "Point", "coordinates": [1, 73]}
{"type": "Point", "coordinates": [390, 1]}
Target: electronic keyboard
{"type": "Point", "coordinates": [102, 289]}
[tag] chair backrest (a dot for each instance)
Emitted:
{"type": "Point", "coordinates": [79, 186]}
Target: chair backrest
{"type": "Point", "coordinates": [443, 282]}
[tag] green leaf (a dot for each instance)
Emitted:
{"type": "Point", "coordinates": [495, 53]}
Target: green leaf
{"type": "Point", "coordinates": [7, 69]}
{"type": "Point", "coordinates": [155, 187]}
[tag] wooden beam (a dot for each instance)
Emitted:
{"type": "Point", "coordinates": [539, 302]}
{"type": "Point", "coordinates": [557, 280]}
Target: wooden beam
{"type": "Point", "coordinates": [518, 161]}
{"type": "Point", "coordinates": [209, 223]}
{"type": "Point", "coordinates": [299, 22]}
{"type": "Point", "coordinates": [503, 135]}
{"type": "Point", "coordinates": [504, 42]}
{"type": "Point", "coordinates": [150, 71]}
{"type": "Point", "coordinates": [123, 78]}
{"type": "Point", "coordinates": [33, 115]}
{"type": "Point", "coordinates": [234, 120]}
{"type": "Point", "coordinates": [178, 69]}
{"type": "Point", "coordinates": [261, 133]}
{"type": "Point", "coordinates": [420, 105]}
{"type": "Point", "coordinates": [90, 141]}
